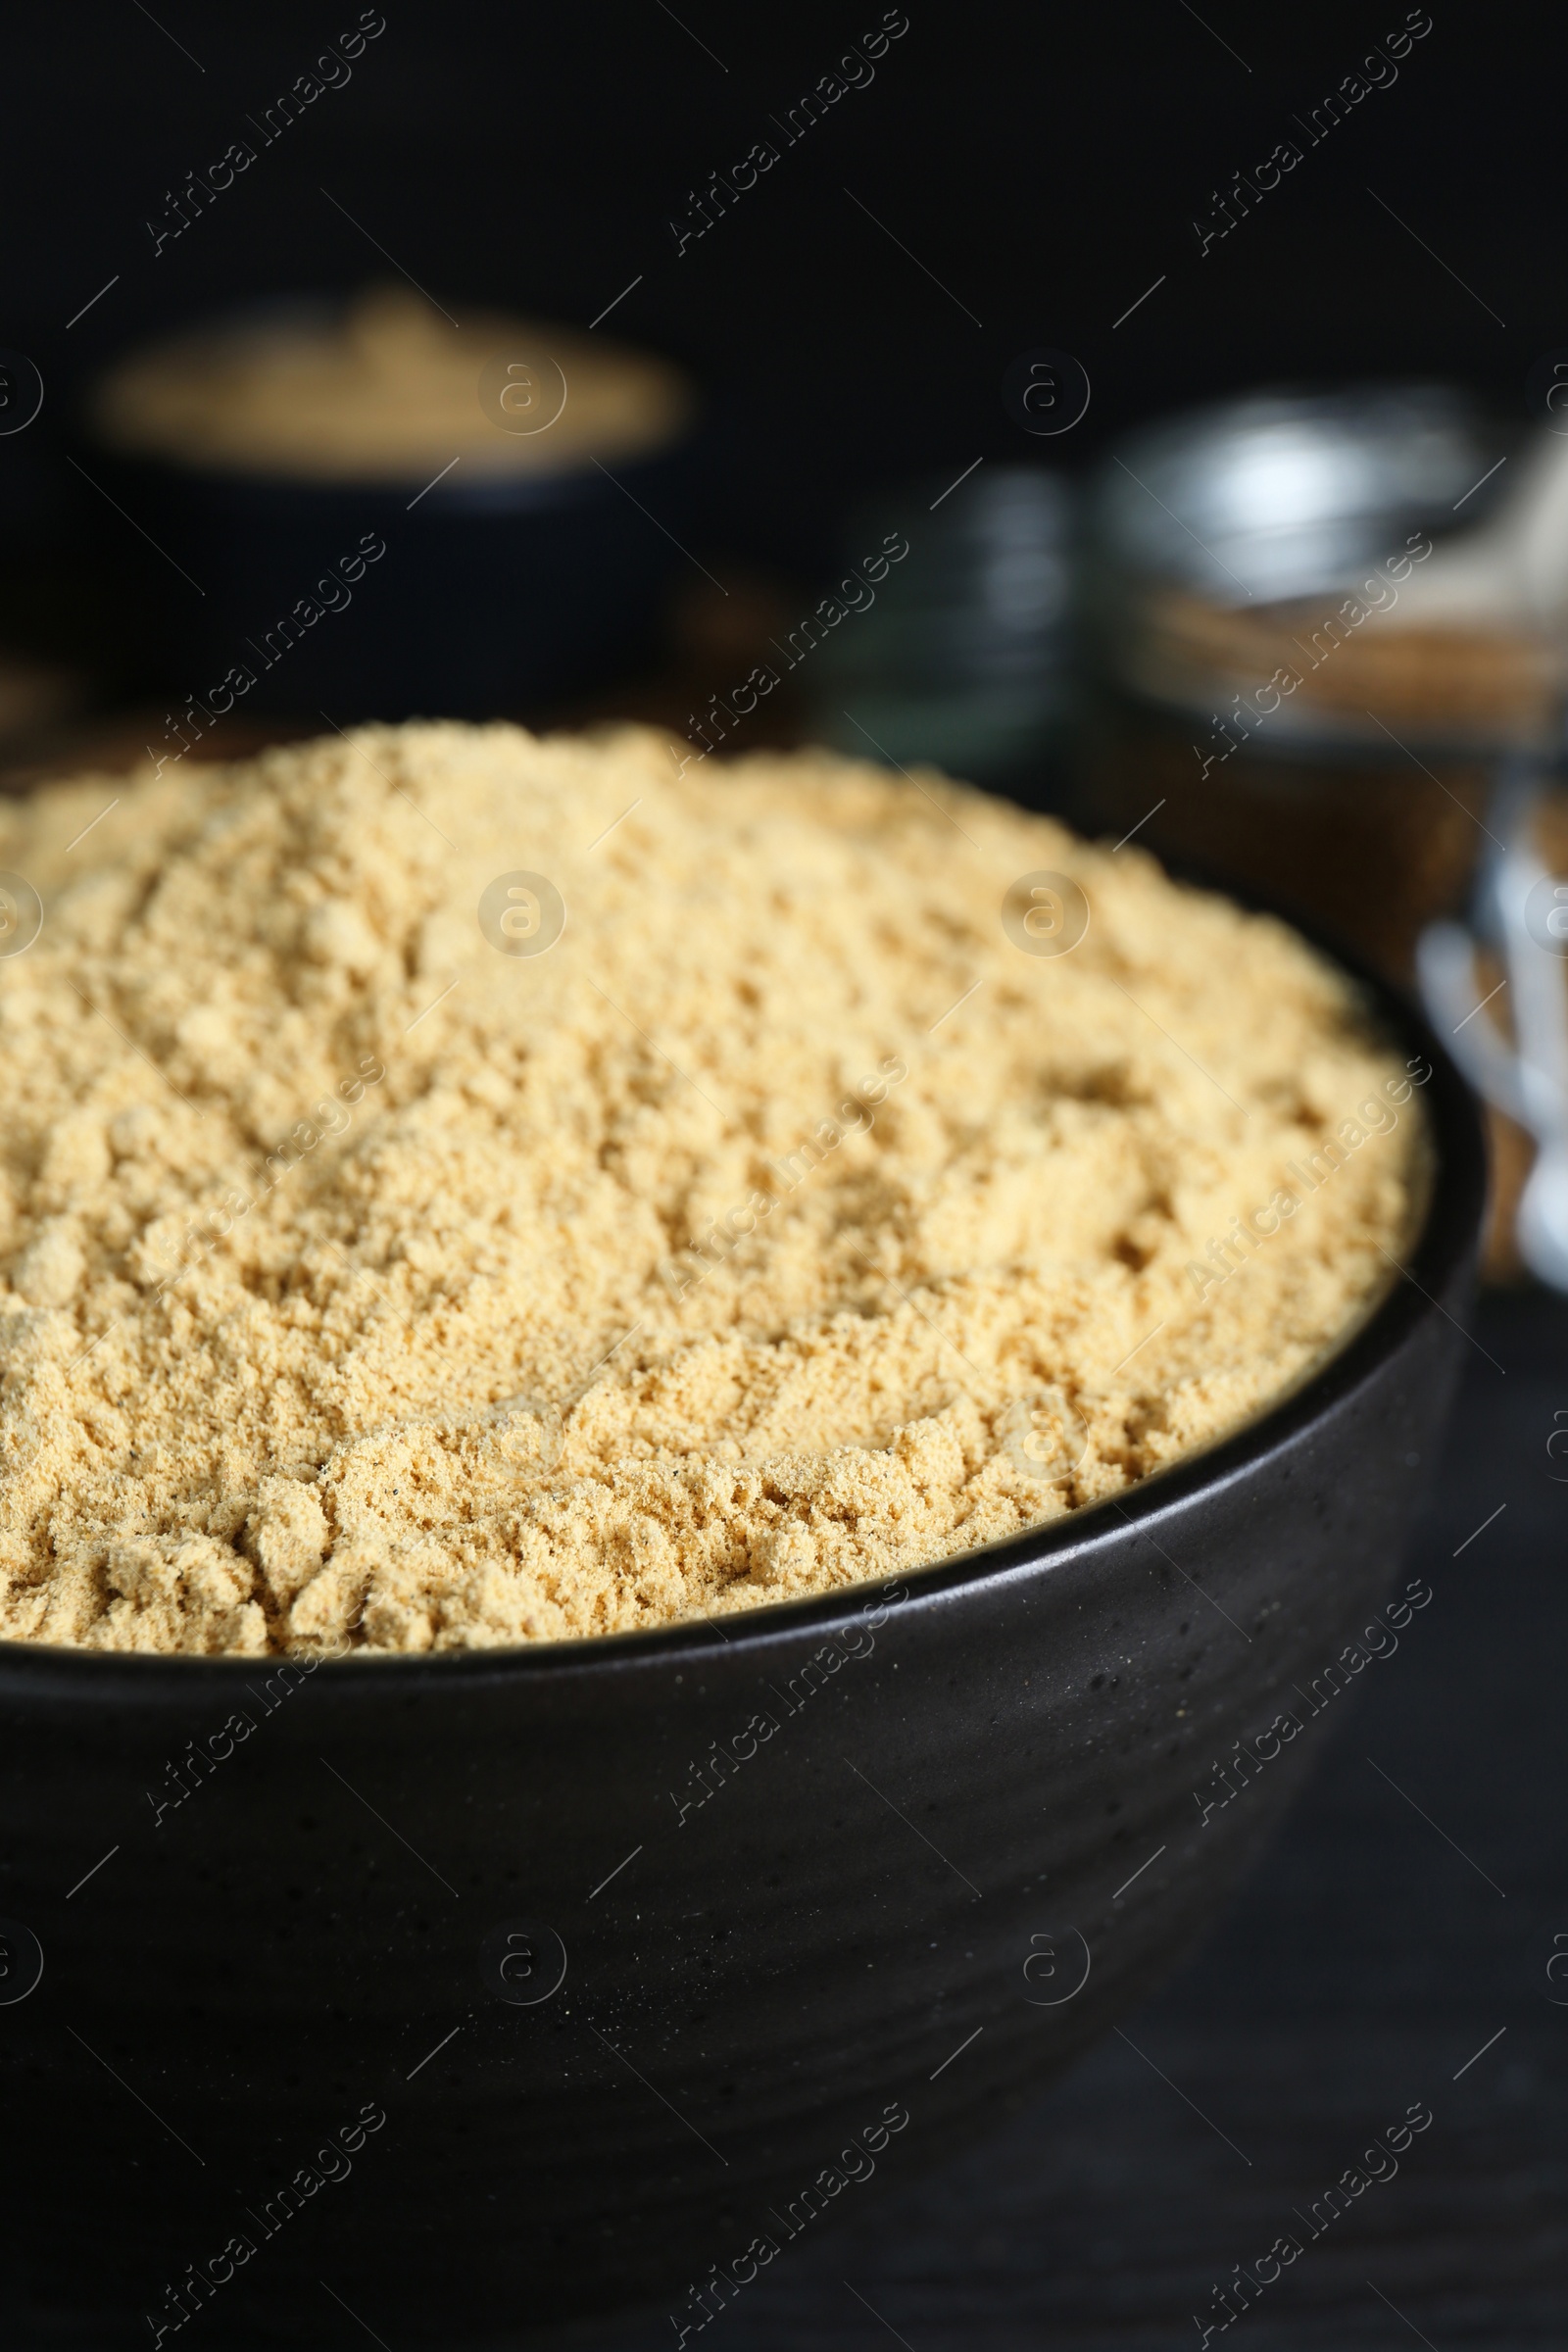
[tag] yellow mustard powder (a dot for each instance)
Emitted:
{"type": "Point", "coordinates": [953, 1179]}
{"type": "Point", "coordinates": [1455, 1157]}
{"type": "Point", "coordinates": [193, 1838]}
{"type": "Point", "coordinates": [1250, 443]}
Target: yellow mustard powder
{"type": "Point", "coordinates": [460, 1189]}
{"type": "Point", "coordinates": [388, 391]}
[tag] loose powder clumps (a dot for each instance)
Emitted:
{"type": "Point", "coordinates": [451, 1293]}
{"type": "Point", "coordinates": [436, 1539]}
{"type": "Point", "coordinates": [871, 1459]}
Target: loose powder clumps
{"type": "Point", "coordinates": [382, 1269]}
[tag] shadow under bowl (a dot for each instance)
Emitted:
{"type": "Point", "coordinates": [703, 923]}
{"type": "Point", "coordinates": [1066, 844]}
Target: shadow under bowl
{"type": "Point", "coordinates": [488, 1991]}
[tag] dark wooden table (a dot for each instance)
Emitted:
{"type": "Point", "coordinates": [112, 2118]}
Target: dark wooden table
{"type": "Point", "coordinates": [1400, 1925]}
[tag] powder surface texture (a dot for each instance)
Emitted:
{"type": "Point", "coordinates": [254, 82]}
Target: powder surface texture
{"type": "Point", "coordinates": [459, 1189]}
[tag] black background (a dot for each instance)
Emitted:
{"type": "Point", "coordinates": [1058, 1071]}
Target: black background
{"type": "Point", "coordinates": [1045, 165]}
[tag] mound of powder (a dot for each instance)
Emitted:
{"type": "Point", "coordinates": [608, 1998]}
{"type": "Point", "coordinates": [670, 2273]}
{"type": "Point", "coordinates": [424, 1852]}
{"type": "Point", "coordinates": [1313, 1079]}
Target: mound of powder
{"type": "Point", "coordinates": [385, 390]}
{"type": "Point", "coordinates": [459, 1189]}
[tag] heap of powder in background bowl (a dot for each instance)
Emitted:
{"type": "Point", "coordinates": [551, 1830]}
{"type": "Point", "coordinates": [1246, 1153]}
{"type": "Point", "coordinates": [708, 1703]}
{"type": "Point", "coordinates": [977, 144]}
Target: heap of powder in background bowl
{"type": "Point", "coordinates": [373, 1274]}
{"type": "Point", "coordinates": [386, 390]}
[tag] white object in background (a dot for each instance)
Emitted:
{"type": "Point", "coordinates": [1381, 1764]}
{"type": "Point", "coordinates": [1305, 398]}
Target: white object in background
{"type": "Point", "coordinates": [1517, 913]}
{"type": "Point", "coordinates": [1512, 571]}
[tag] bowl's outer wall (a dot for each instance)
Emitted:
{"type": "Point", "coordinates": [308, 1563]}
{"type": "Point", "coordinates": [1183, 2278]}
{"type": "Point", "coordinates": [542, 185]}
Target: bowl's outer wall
{"type": "Point", "coordinates": [489, 597]}
{"type": "Point", "coordinates": [973, 1768]}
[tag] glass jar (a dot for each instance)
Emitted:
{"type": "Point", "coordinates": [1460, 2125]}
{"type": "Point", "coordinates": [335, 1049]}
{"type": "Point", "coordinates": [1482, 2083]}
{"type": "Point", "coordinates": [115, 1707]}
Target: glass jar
{"type": "Point", "coordinates": [966, 660]}
{"type": "Point", "coordinates": [1252, 712]}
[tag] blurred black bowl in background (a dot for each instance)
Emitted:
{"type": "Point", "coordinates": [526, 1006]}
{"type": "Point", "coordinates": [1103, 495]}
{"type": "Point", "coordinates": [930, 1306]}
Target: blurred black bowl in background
{"type": "Point", "coordinates": [489, 597]}
{"type": "Point", "coordinates": [458, 592]}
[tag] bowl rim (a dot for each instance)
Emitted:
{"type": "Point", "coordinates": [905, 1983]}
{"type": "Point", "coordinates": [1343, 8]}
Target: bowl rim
{"type": "Point", "coordinates": [1440, 1254]}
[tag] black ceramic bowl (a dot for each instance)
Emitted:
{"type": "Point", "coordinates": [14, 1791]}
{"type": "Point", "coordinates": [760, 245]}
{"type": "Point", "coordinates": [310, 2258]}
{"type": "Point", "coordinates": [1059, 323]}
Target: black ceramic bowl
{"type": "Point", "coordinates": [480, 1992]}
{"type": "Point", "coordinates": [494, 594]}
